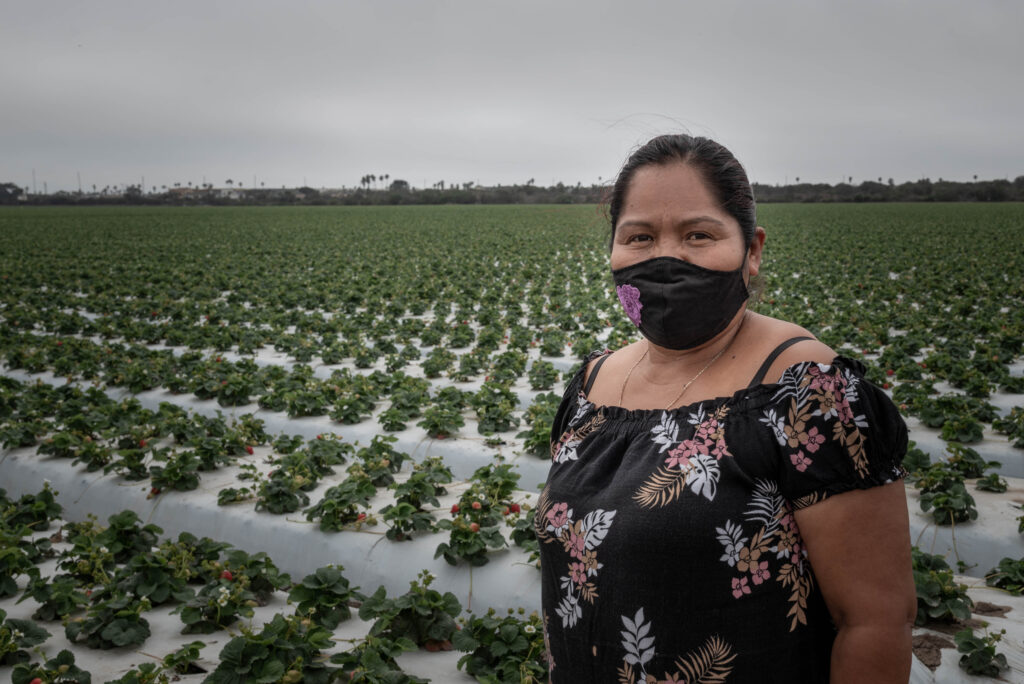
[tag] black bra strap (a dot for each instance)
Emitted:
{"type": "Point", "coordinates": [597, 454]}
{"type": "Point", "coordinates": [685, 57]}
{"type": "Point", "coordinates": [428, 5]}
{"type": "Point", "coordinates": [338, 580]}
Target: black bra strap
{"type": "Point", "coordinates": [593, 374]}
{"type": "Point", "coordinates": [759, 376]}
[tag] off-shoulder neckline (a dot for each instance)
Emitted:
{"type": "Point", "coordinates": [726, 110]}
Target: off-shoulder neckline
{"type": "Point", "coordinates": [740, 397]}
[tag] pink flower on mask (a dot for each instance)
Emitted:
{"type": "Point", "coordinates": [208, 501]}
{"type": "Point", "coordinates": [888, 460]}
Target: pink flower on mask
{"type": "Point", "coordinates": [629, 296]}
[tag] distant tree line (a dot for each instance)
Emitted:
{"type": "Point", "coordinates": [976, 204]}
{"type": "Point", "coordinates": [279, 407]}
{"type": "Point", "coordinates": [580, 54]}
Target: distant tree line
{"type": "Point", "coordinates": [375, 190]}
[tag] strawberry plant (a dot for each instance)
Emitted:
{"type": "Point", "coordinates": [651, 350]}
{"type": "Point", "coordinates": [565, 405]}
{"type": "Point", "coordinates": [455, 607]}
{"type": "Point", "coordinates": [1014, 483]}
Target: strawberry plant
{"type": "Point", "coordinates": [372, 661]}
{"type": "Point", "coordinates": [258, 570]}
{"type": "Point", "coordinates": [539, 416]}
{"type": "Point", "coordinates": [438, 361]}
{"type": "Point", "coordinates": [542, 375]}
{"type": "Point", "coordinates": [183, 660]}
{"type": "Point", "coordinates": [325, 451]}
{"type": "Point", "coordinates": [979, 653]}
{"type": "Point", "coordinates": [523, 533]}
{"type": "Point", "coordinates": [111, 623]}
{"type": "Point", "coordinates": [217, 605]}
{"type": "Point", "coordinates": [494, 404]}
{"type": "Point", "coordinates": [324, 596]}
{"type": "Point", "coordinates": [14, 561]}
{"type": "Point", "coordinates": [939, 598]}
{"type": "Point", "coordinates": [380, 461]}
{"type": "Point", "coordinates": [991, 483]}
{"type": "Point", "coordinates": [949, 505]}
{"type": "Point", "coordinates": [507, 650]}
{"type": "Point", "coordinates": [1008, 575]}
{"type": "Point", "coordinates": [151, 575]}
{"type": "Point", "coordinates": [403, 518]}
{"type": "Point", "coordinates": [179, 472]}
{"type": "Point", "coordinates": [441, 421]}
{"type": "Point", "coordinates": [967, 460]}
{"type": "Point", "coordinates": [146, 673]}
{"type": "Point", "coordinates": [287, 650]}
{"type": "Point", "coordinates": [57, 596]}
{"type": "Point", "coordinates": [34, 511]}
{"type": "Point", "coordinates": [1012, 425]}
{"type": "Point", "coordinates": [282, 492]}
{"type": "Point", "coordinates": [16, 637]}
{"type": "Point", "coordinates": [422, 615]}
{"type": "Point", "coordinates": [473, 529]}
{"type": "Point", "coordinates": [343, 504]}
{"type": "Point", "coordinates": [60, 668]}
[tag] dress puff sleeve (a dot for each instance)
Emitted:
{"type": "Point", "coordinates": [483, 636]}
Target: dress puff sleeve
{"type": "Point", "coordinates": [836, 432]}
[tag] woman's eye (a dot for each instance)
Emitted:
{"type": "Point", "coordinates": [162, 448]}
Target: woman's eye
{"type": "Point", "coordinates": [638, 238]}
{"type": "Point", "coordinates": [698, 236]}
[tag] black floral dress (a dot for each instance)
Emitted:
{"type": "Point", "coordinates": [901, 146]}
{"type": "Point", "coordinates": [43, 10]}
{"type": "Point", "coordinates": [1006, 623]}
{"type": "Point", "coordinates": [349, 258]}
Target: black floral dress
{"type": "Point", "coordinates": [669, 550]}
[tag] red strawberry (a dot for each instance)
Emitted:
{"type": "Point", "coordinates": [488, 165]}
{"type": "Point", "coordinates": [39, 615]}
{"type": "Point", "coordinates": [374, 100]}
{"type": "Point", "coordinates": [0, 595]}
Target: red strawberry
{"type": "Point", "coordinates": [455, 509]}
{"type": "Point", "coordinates": [890, 372]}
{"type": "Point", "coordinates": [142, 444]}
{"type": "Point", "coordinates": [217, 359]}
{"type": "Point", "coordinates": [361, 516]}
{"type": "Point", "coordinates": [506, 511]}
{"type": "Point", "coordinates": [474, 527]}
{"type": "Point", "coordinates": [59, 343]}
{"type": "Point", "coordinates": [319, 436]}
{"type": "Point", "coordinates": [476, 505]}
{"type": "Point", "coordinates": [514, 508]}
{"type": "Point", "coordinates": [248, 450]}
{"type": "Point", "coordinates": [226, 575]}
{"type": "Point", "coordinates": [885, 385]}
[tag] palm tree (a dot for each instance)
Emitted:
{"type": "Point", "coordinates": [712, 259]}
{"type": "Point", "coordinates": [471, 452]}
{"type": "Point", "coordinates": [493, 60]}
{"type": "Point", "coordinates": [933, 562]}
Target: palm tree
{"type": "Point", "coordinates": [229, 182]}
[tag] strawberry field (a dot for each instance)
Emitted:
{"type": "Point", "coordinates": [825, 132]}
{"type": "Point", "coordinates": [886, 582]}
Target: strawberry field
{"type": "Point", "coordinates": [303, 444]}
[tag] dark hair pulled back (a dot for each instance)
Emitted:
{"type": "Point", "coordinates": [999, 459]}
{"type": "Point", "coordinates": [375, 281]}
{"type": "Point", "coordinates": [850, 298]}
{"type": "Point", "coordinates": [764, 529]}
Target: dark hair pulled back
{"type": "Point", "coordinates": [724, 175]}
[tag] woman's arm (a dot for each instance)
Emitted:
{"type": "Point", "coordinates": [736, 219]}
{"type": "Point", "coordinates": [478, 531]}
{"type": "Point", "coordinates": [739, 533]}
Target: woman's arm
{"type": "Point", "coordinates": [858, 544]}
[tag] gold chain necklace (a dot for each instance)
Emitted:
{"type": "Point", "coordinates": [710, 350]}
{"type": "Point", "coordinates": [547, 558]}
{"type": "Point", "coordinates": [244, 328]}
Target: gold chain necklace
{"type": "Point", "coordinates": [714, 358]}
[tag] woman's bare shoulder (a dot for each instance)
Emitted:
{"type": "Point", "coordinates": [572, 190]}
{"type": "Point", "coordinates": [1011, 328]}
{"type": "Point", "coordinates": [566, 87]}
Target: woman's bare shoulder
{"type": "Point", "coordinates": [771, 332]}
{"type": "Point", "coordinates": [616, 357]}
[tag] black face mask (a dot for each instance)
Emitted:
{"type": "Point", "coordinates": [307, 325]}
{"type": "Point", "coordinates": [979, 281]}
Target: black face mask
{"type": "Point", "coordinates": [679, 305]}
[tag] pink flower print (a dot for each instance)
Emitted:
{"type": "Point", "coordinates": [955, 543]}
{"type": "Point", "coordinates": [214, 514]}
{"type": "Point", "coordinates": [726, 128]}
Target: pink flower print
{"type": "Point", "coordinates": [843, 410]}
{"type": "Point", "coordinates": [739, 587]}
{"type": "Point", "coordinates": [707, 429]}
{"type": "Point", "coordinates": [720, 449]}
{"type": "Point", "coordinates": [558, 515]}
{"type": "Point", "coordinates": [629, 296]}
{"type": "Point", "coordinates": [800, 461]}
{"type": "Point", "coordinates": [575, 545]}
{"type": "Point", "coordinates": [760, 572]}
{"type": "Point", "coordinates": [822, 381]}
{"type": "Point", "coordinates": [786, 521]}
{"type": "Point", "coordinates": [578, 573]}
{"type": "Point", "coordinates": [814, 439]}
{"type": "Point", "coordinates": [678, 458]}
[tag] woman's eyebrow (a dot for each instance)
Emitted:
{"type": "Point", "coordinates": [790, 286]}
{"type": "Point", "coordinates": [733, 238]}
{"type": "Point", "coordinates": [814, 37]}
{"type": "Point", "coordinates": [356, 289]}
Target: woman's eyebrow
{"type": "Point", "coordinates": [682, 224]}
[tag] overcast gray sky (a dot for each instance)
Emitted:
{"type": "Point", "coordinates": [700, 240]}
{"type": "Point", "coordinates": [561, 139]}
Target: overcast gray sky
{"type": "Point", "coordinates": [489, 92]}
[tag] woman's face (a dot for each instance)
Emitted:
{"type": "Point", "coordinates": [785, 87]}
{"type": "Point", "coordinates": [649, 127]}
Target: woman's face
{"type": "Point", "coordinates": [670, 211]}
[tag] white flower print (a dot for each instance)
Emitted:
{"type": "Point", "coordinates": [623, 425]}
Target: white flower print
{"type": "Point", "coordinates": [703, 476]}
{"type": "Point", "coordinates": [772, 420]}
{"type": "Point", "coordinates": [567, 451]}
{"type": "Point", "coordinates": [569, 610]}
{"type": "Point", "coordinates": [665, 434]}
{"type": "Point", "coordinates": [765, 505]}
{"type": "Point", "coordinates": [639, 647]}
{"type": "Point", "coordinates": [731, 537]}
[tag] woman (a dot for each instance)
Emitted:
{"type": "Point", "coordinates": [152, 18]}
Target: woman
{"type": "Point", "coordinates": [724, 502]}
